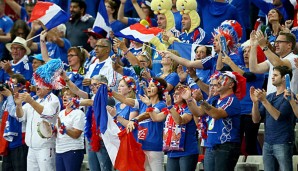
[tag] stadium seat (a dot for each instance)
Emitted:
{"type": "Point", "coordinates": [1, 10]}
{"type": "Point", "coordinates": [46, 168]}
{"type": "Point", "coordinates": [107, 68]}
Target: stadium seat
{"type": "Point", "coordinates": [258, 159]}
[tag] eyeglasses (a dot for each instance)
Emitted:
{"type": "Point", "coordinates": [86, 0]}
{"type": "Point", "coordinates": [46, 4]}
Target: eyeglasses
{"type": "Point", "coordinates": [281, 41]}
{"type": "Point", "coordinates": [17, 48]}
{"type": "Point", "coordinates": [100, 46]}
{"type": "Point", "coordinates": [71, 55]}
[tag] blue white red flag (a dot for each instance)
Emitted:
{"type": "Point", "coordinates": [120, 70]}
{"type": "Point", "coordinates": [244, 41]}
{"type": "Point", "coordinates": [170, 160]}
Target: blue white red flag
{"type": "Point", "coordinates": [102, 20]}
{"type": "Point", "coordinates": [124, 152]}
{"type": "Point", "coordinates": [139, 33]}
{"type": "Point", "coordinates": [50, 14]}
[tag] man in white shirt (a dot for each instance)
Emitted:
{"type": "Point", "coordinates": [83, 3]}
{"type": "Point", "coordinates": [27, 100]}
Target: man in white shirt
{"type": "Point", "coordinates": [102, 66]}
{"type": "Point", "coordinates": [283, 55]}
{"type": "Point", "coordinates": [44, 106]}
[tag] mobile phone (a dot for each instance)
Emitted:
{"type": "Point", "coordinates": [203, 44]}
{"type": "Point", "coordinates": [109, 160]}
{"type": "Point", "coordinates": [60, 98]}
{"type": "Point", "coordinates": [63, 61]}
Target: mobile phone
{"type": "Point", "coordinates": [223, 43]}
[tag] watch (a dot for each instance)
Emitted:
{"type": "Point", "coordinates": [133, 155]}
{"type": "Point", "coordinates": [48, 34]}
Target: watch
{"type": "Point", "coordinates": [265, 48]}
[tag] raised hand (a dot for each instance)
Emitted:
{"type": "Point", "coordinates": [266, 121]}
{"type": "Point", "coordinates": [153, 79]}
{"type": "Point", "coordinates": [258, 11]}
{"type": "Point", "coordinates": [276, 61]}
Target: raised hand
{"type": "Point", "coordinates": [197, 95]}
{"type": "Point", "coordinates": [26, 97]}
{"type": "Point", "coordinates": [192, 72]}
{"type": "Point", "coordinates": [168, 100]}
{"type": "Point", "coordinates": [182, 75]}
{"type": "Point", "coordinates": [111, 110]}
{"type": "Point", "coordinates": [253, 40]}
{"type": "Point", "coordinates": [227, 60]}
{"type": "Point", "coordinates": [262, 40]}
{"type": "Point", "coordinates": [17, 99]}
{"type": "Point", "coordinates": [145, 100]}
{"type": "Point", "coordinates": [253, 96]}
{"type": "Point", "coordinates": [130, 126]}
{"type": "Point", "coordinates": [185, 93]}
{"type": "Point", "coordinates": [6, 92]}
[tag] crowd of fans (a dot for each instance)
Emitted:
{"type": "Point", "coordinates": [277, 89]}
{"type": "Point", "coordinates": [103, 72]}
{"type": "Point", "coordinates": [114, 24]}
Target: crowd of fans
{"type": "Point", "coordinates": [211, 105]}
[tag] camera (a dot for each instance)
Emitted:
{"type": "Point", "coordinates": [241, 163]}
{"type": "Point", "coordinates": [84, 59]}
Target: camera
{"type": "Point", "coordinates": [2, 86]}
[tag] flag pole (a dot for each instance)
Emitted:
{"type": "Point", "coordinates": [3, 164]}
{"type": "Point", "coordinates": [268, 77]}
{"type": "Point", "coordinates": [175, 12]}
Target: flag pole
{"type": "Point", "coordinates": [42, 26]}
{"type": "Point", "coordinates": [33, 37]}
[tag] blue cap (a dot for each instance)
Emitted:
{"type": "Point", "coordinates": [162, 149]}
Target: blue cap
{"type": "Point", "coordinates": [37, 56]}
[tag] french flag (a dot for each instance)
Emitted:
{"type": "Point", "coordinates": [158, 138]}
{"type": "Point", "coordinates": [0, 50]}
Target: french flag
{"type": "Point", "coordinates": [124, 152]}
{"type": "Point", "coordinates": [50, 14]}
{"type": "Point", "coordinates": [139, 33]}
{"type": "Point", "coordinates": [102, 20]}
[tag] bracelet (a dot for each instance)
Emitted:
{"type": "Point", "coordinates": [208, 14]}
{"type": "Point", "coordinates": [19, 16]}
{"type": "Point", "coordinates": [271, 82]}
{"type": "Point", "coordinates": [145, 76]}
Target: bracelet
{"type": "Point", "coordinates": [62, 129]}
{"type": "Point", "coordinates": [197, 80]}
{"type": "Point", "coordinates": [165, 111]}
{"type": "Point", "coordinates": [115, 117]}
{"type": "Point", "coordinates": [170, 107]}
{"type": "Point", "coordinates": [125, 53]}
{"type": "Point", "coordinates": [67, 80]}
{"type": "Point", "coordinates": [189, 100]}
{"type": "Point", "coordinates": [150, 109]}
{"type": "Point", "coordinates": [135, 120]}
{"type": "Point", "coordinates": [265, 48]}
{"type": "Point", "coordinates": [110, 94]}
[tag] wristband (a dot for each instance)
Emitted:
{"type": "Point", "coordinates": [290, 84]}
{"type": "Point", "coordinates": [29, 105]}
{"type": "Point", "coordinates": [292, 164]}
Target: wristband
{"type": "Point", "coordinates": [165, 111]}
{"type": "Point", "coordinates": [62, 129]}
{"type": "Point", "coordinates": [197, 80]}
{"type": "Point", "coordinates": [115, 117]}
{"type": "Point", "coordinates": [135, 120]}
{"type": "Point", "coordinates": [189, 100]}
{"type": "Point", "coordinates": [150, 109]}
{"type": "Point", "coordinates": [265, 48]}
{"type": "Point", "coordinates": [125, 53]}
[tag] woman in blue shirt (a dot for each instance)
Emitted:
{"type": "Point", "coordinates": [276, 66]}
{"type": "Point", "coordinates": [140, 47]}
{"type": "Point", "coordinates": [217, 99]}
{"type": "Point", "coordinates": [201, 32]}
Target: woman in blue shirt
{"type": "Point", "coordinates": [122, 113]}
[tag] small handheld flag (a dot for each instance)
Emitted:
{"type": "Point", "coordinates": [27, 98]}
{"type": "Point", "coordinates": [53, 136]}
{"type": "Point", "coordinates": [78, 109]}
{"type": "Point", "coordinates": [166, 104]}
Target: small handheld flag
{"type": "Point", "coordinates": [49, 14]}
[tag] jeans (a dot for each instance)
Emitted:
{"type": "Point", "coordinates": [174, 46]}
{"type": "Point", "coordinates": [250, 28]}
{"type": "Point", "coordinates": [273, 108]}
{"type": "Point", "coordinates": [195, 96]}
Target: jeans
{"type": "Point", "coordinates": [99, 161]}
{"type": "Point", "coordinates": [222, 157]}
{"type": "Point", "coordinates": [185, 163]}
{"type": "Point", "coordinates": [278, 154]}
{"type": "Point", "coordinates": [70, 160]}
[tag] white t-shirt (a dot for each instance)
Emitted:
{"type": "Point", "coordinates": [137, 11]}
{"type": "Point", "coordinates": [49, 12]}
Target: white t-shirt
{"type": "Point", "coordinates": [75, 119]}
{"type": "Point", "coordinates": [294, 82]}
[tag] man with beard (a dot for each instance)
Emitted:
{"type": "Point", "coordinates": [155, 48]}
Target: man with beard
{"type": "Point", "coordinates": [78, 22]}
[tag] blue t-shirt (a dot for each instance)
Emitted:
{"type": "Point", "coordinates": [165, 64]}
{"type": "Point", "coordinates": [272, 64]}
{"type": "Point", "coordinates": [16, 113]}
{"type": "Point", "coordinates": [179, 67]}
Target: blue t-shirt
{"type": "Point", "coordinates": [197, 36]}
{"type": "Point", "coordinates": [172, 79]}
{"type": "Point", "coordinates": [212, 101]}
{"type": "Point", "coordinates": [23, 67]}
{"type": "Point", "coordinates": [6, 24]}
{"type": "Point", "coordinates": [226, 129]}
{"type": "Point", "coordinates": [246, 103]}
{"type": "Point", "coordinates": [287, 9]}
{"type": "Point", "coordinates": [131, 73]}
{"type": "Point", "coordinates": [214, 13]}
{"type": "Point", "coordinates": [191, 141]}
{"type": "Point", "coordinates": [153, 138]}
{"type": "Point", "coordinates": [278, 131]}
{"type": "Point", "coordinates": [77, 79]}
{"type": "Point", "coordinates": [56, 52]}
{"type": "Point", "coordinates": [210, 62]}
{"type": "Point", "coordinates": [124, 113]}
